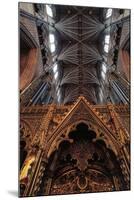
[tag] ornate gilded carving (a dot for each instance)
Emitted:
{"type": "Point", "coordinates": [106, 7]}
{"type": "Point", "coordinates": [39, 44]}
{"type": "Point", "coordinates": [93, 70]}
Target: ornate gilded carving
{"type": "Point", "coordinates": [54, 127]}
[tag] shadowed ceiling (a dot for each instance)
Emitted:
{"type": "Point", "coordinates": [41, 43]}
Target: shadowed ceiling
{"type": "Point", "coordinates": [78, 39]}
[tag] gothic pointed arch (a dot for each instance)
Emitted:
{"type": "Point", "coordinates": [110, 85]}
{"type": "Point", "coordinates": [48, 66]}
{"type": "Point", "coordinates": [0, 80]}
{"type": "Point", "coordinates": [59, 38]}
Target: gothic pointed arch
{"type": "Point", "coordinates": [28, 57]}
{"type": "Point", "coordinates": [82, 111]}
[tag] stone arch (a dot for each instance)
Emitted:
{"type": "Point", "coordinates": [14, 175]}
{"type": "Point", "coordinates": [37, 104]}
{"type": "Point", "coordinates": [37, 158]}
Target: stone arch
{"type": "Point", "coordinates": [63, 135]}
{"type": "Point", "coordinates": [28, 57]}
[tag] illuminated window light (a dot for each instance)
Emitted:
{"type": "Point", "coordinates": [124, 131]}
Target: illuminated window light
{"type": "Point", "coordinates": [101, 92]}
{"type": "Point", "coordinates": [109, 13]}
{"type": "Point", "coordinates": [49, 11]}
{"type": "Point", "coordinates": [101, 95]}
{"type": "Point", "coordinates": [103, 75]}
{"type": "Point", "coordinates": [58, 92]}
{"type": "Point", "coordinates": [106, 47]}
{"type": "Point", "coordinates": [52, 48]}
{"type": "Point", "coordinates": [101, 98]}
{"type": "Point", "coordinates": [55, 68]}
{"type": "Point", "coordinates": [59, 97]}
{"type": "Point", "coordinates": [56, 75]}
{"type": "Point", "coordinates": [107, 39]}
{"type": "Point", "coordinates": [51, 38]}
{"type": "Point", "coordinates": [104, 68]}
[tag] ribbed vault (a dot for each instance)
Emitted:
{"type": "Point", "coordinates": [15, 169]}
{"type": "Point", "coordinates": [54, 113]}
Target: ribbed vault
{"type": "Point", "coordinates": [78, 31]}
{"type": "Point", "coordinates": [76, 60]}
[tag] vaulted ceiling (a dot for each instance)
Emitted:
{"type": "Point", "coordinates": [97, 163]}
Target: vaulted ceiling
{"type": "Point", "coordinates": [79, 40]}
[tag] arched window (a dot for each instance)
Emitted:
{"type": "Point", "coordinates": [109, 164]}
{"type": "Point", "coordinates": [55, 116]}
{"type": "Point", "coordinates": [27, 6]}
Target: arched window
{"type": "Point", "coordinates": [49, 11]}
{"type": "Point", "coordinates": [109, 13]}
{"type": "Point", "coordinates": [104, 69]}
{"type": "Point", "coordinates": [103, 75]}
{"type": "Point", "coordinates": [56, 75]}
{"type": "Point", "coordinates": [55, 68]}
{"type": "Point", "coordinates": [52, 47]}
{"type": "Point", "coordinates": [106, 43]}
{"type": "Point", "coordinates": [55, 71]}
{"type": "Point", "coordinates": [52, 43]}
